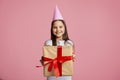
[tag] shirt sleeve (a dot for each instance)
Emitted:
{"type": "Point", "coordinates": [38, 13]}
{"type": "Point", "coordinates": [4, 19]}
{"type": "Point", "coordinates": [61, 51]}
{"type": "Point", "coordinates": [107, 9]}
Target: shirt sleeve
{"type": "Point", "coordinates": [48, 43]}
{"type": "Point", "coordinates": [69, 43]}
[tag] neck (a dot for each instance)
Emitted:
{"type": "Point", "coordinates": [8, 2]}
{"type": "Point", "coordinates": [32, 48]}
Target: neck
{"type": "Point", "coordinates": [59, 38]}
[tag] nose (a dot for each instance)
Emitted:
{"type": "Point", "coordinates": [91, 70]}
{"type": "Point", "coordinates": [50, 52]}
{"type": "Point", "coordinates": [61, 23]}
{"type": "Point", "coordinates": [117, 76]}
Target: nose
{"type": "Point", "coordinates": [58, 28]}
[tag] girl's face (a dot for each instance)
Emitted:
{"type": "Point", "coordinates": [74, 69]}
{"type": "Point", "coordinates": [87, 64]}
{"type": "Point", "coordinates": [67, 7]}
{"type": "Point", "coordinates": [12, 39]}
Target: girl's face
{"type": "Point", "coordinates": [58, 29]}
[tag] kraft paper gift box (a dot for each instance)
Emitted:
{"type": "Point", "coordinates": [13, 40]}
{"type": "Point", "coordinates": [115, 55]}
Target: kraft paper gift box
{"type": "Point", "coordinates": [56, 56]}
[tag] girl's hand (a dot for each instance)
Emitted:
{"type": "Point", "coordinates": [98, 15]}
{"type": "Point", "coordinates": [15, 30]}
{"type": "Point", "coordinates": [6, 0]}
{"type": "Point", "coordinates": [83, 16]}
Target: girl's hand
{"type": "Point", "coordinates": [73, 57]}
{"type": "Point", "coordinates": [42, 62]}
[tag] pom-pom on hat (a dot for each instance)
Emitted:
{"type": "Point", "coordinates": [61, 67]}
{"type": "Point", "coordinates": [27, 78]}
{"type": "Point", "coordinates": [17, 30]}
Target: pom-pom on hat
{"type": "Point", "coordinates": [57, 15]}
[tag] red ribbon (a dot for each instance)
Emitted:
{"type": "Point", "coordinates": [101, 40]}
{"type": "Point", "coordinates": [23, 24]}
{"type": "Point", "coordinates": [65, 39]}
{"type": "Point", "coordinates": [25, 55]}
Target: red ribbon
{"type": "Point", "coordinates": [56, 63]}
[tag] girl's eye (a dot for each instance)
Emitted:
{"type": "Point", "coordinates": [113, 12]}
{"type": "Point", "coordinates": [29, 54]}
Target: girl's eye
{"type": "Point", "coordinates": [54, 27]}
{"type": "Point", "coordinates": [60, 26]}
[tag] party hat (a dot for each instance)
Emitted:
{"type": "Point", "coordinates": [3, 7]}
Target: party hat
{"type": "Point", "coordinates": [57, 15]}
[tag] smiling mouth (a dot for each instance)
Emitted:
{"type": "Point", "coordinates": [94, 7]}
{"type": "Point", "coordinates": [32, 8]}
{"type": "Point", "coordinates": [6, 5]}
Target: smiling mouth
{"type": "Point", "coordinates": [58, 32]}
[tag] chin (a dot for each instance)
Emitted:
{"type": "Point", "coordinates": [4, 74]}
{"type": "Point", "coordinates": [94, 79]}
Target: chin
{"type": "Point", "coordinates": [58, 36]}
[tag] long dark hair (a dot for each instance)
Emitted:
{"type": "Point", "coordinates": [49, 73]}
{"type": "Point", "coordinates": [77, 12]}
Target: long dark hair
{"type": "Point", "coordinates": [65, 35]}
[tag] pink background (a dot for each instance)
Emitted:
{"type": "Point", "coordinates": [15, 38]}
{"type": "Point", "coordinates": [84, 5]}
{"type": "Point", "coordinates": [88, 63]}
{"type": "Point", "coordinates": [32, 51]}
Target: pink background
{"type": "Point", "coordinates": [93, 25]}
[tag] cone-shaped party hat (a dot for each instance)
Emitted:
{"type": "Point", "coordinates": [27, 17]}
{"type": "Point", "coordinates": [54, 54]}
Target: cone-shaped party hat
{"type": "Point", "coordinates": [57, 15]}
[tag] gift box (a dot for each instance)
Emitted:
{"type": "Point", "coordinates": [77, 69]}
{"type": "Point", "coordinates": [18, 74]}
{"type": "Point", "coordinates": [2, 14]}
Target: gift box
{"type": "Point", "coordinates": [58, 60]}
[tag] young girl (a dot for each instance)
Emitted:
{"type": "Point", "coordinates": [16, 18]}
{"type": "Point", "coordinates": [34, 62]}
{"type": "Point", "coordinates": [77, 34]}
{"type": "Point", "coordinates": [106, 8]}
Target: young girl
{"type": "Point", "coordinates": [59, 36]}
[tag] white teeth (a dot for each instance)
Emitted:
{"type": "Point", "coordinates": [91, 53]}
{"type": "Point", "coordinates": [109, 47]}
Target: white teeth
{"type": "Point", "coordinates": [58, 32]}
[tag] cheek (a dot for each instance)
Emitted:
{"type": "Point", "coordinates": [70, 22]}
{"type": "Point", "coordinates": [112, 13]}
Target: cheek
{"type": "Point", "coordinates": [63, 30]}
{"type": "Point", "coordinates": [53, 30]}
